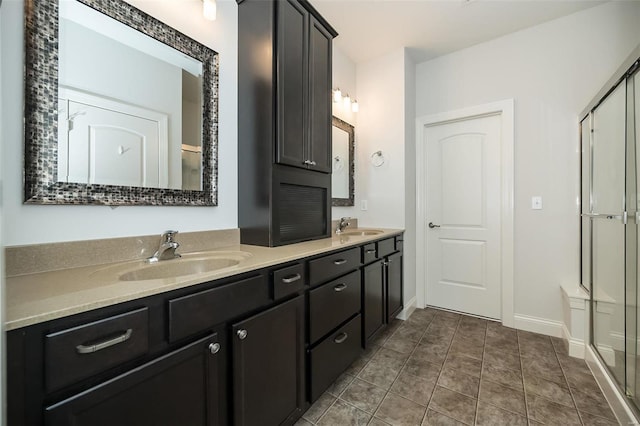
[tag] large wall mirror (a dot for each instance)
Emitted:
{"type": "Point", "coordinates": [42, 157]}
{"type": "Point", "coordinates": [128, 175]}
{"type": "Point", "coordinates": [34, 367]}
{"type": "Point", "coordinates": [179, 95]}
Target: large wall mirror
{"type": "Point", "coordinates": [343, 167]}
{"type": "Point", "coordinates": [120, 108]}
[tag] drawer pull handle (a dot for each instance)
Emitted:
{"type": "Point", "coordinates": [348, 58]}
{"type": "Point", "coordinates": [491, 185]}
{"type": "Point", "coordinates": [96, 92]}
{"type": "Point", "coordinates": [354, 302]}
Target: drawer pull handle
{"type": "Point", "coordinates": [291, 278]}
{"type": "Point", "coordinates": [340, 287]}
{"type": "Point", "coordinates": [370, 251]}
{"type": "Point", "coordinates": [340, 338]}
{"type": "Point", "coordinates": [242, 334]}
{"type": "Point", "coordinates": [214, 348]}
{"type": "Point", "coordinates": [340, 262]}
{"type": "Point", "coordinates": [84, 349]}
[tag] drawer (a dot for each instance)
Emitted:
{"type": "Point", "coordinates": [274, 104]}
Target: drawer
{"type": "Point", "coordinates": [333, 265]}
{"type": "Point", "coordinates": [369, 253]}
{"type": "Point", "coordinates": [288, 280]}
{"type": "Point", "coordinates": [386, 247]}
{"type": "Point", "coordinates": [331, 357]}
{"type": "Point", "coordinates": [332, 303]}
{"type": "Point", "coordinates": [399, 242]}
{"type": "Point", "coordinates": [200, 311]}
{"type": "Point", "coordinates": [83, 351]}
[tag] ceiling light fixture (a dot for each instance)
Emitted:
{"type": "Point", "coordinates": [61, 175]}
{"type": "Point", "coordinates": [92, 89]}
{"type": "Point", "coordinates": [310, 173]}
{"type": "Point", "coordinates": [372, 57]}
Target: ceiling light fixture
{"type": "Point", "coordinates": [209, 9]}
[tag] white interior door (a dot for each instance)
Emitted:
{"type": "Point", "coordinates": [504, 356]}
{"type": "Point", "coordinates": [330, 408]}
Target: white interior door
{"type": "Point", "coordinates": [463, 211]}
{"type": "Point", "coordinates": [110, 148]}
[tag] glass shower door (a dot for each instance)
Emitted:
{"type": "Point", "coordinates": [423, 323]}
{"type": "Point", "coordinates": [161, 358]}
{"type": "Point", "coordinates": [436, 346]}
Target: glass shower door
{"type": "Point", "coordinates": [607, 205]}
{"type": "Point", "coordinates": [633, 236]}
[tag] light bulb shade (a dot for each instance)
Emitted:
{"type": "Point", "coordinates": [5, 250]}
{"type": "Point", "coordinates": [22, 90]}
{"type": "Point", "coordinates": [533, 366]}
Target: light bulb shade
{"type": "Point", "coordinates": [337, 95]}
{"type": "Point", "coordinates": [347, 101]}
{"type": "Point", "coordinates": [209, 9]}
{"type": "Point", "coordinates": [354, 106]}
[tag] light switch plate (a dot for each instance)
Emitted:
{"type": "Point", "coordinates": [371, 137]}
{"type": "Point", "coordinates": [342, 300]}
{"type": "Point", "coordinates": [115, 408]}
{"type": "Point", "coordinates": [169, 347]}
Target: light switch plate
{"type": "Point", "coordinates": [536, 202]}
{"type": "Point", "coordinates": [364, 205]}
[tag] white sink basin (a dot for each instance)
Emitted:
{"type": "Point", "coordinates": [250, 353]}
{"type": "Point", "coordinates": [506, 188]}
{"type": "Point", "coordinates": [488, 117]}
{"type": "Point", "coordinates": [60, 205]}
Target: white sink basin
{"type": "Point", "coordinates": [361, 232]}
{"type": "Point", "coordinates": [188, 264]}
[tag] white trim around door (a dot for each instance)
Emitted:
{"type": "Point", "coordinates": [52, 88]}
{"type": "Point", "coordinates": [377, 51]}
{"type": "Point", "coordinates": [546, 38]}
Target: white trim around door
{"type": "Point", "coordinates": [505, 109]}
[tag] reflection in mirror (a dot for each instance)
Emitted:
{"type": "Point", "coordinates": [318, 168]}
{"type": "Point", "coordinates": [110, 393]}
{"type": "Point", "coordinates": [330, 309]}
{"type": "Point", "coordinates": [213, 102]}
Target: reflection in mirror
{"type": "Point", "coordinates": [135, 106]}
{"type": "Point", "coordinates": [343, 168]}
{"type": "Point", "coordinates": [127, 105]}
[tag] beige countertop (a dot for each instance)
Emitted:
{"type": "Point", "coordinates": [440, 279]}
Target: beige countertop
{"type": "Point", "coordinates": [40, 297]}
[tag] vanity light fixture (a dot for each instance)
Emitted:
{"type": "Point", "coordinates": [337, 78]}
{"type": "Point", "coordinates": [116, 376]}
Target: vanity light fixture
{"type": "Point", "coordinates": [346, 101]}
{"type": "Point", "coordinates": [209, 9]}
{"type": "Point", "coordinates": [337, 95]}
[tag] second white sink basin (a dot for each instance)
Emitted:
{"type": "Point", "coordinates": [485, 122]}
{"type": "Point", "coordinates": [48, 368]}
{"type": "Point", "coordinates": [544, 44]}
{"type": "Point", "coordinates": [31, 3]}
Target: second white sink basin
{"type": "Point", "coordinates": [188, 264]}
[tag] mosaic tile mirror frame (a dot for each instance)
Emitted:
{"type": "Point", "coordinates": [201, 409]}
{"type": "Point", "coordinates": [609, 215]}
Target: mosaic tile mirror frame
{"type": "Point", "coordinates": [41, 185]}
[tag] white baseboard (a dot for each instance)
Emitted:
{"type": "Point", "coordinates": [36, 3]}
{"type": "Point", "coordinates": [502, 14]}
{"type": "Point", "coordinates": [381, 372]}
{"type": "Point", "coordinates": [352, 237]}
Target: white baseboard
{"type": "Point", "coordinates": [576, 346]}
{"type": "Point", "coordinates": [617, 402]}
{"type": "Point", "coordinates": [538, 325]}
{"type": "Point", "coordinates": [409, 307]}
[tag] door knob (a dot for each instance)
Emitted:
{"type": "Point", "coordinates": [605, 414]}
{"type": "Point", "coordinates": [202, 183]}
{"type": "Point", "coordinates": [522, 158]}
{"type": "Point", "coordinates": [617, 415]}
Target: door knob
{"type": "Point", "coordinates": [242, 334]}
{"type": "Point", "coordinates": [431, 225]}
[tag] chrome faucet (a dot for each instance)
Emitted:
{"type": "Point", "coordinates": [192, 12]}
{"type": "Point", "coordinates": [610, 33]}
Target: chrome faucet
{"type": "Point", "coordinates": [167, 249]}
{"type": "Point", "coordinates": [342, 225]}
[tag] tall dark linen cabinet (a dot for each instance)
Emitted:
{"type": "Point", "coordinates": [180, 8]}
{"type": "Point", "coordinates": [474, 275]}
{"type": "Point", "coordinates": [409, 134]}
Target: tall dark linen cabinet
{"type": "Point", "coordinates": [284, 122]}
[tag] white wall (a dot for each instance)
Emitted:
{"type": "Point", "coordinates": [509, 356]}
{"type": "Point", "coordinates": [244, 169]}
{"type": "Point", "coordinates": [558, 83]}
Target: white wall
{"type": "Point", "coordinates": [409, 179]}
{"type": "Point", "coordinates": [39, 224]}
{"type": "Point", "coordinates": [344, 78]}
{"type": "Point", "coordinates": [381, 127]}
{"type": "Point", "coordinates": [552, 71]}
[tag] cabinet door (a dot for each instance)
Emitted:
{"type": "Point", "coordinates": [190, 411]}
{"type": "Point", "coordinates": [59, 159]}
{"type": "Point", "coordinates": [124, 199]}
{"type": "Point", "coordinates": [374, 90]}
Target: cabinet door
{"type": "Point", "coordinates": [292, 83]}
{"type": "Point", "coordinates": [373, 299]}
{"type": "Point", "coordinates": [268, 365]}
{"type": "Point", "coordinates": [184, 387]}
{"type": "Point", "coordinates": [394, 286]}
{"type": "Point", "coordinates": [320, 97]}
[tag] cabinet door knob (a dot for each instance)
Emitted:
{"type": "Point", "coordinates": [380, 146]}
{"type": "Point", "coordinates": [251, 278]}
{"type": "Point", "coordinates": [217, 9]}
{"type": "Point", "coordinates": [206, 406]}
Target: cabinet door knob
{"type": "Point", "coordinates": [313, 163]}
{"type": "Point", "coordinates": [242, 334]}
{"type": "Point", "coordinates": [307, 162]}
{"type": "Point", "coordinates": [214, 348]}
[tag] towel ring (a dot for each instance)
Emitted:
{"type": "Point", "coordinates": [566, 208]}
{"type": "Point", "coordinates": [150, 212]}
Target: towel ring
{"type": "Point", "coordinates": [377, 159]}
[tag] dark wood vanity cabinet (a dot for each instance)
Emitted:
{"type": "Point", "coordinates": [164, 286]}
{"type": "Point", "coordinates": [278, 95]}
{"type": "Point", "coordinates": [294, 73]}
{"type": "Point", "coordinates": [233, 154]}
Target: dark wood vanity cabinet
{"type": "Point", "coordinates": [394, 286]}
{"type": "Point", "coordinates": [303, 81]}
{"type": "Point", "coordinates": [382, 285]}
{"type": "Point", "coordinates": [253, 349]}
{"type": "Point", "coordinates": [373, 299]}
{"type": "Point", "coordinates": [269, 366]}
{"type": "Point", "coordinates": [284, 122]}
{"type": "Point", "coordinates": [182, 387]}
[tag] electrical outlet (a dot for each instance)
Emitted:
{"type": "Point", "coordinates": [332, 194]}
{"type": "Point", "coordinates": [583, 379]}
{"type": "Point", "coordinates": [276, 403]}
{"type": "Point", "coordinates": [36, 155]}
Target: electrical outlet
{"type": "Point", "coordinates": [364, 205]}
{"type": "Point", "coordinates": [536, 202]}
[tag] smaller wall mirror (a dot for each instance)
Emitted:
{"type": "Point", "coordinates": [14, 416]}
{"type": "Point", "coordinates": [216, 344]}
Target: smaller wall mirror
{"type": "Point", "coordinates": [343, 168]}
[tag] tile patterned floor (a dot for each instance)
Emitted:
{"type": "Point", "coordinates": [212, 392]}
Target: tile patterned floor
{"type": "Point", "coordinates": [442, 368]}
